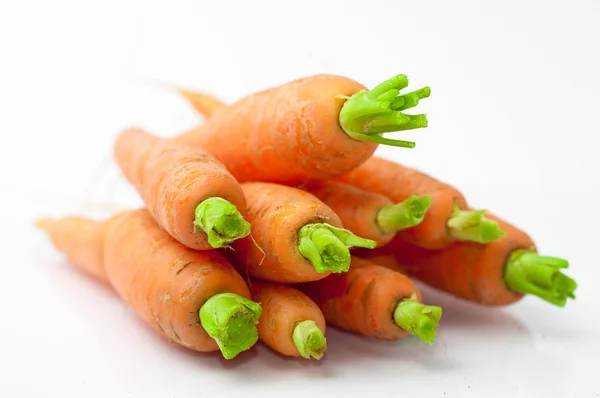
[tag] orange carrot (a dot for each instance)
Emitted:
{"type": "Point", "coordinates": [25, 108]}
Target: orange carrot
{"type": "Point", "coordinates": [495, 274]}
{"type": "Point", "coordinates": [205, 104]}
{"type": "Point", "coordinates": [190, 194]}
{"type": "Point", "coordinates": [369, 214]}
{"type": "Point", "coordinates": [298, 238]}
{"type": "Point", "coordinates": [448, 219]}
{"type": "Point", "coordinates": [374, 301]}
{"type": "Point", "coordinates": [311, 128]}
{"type": "Point", "coordinates": [195, 299]}
{"type": "Point", "coordinates": [291, 323]}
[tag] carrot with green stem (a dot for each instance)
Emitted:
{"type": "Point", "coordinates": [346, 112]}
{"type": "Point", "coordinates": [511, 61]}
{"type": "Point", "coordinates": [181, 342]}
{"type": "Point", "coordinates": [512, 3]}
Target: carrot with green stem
{"type": "Point", "coordinates": [374, 301]}
{"type": "Point", "coordinates": [369, 214]}
{"type": "Point", "coordinates": [190, 194]}
{"type": "Point", "coordinates": [448, 219]}
{"type": "Point", "coordinates": [297, 237]}
{"type": "Point", "coordinates": [291, 323]}
{"type": "Point", "coordinates": [308, 129]}
{"type": "Point", "coordinates": [496, 274]}
{"type": "Point", "coordinates": [194, 298]}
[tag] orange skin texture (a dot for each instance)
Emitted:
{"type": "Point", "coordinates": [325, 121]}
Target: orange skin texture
{"type": "Point", "coordinates": [203, 103]}
{"type": "Point", "coordinates": [283, 308]}
{"type": "Point", "coordinates": [287, 134]}
{"type": "Point", "coordinates": [363, 299]}
{"type": "Point", "coordinates": [276, 214]}
{"type": "Point", "coordinates": [173, 179]}
{"type": "Point", "coordinates": [356, 208]}
{"type": "Point", "coordinates": [467, 270]}
{"type": "Point", "coordinates": [398, 183]}
{"type": "Point", "coordinates": [163, 281]}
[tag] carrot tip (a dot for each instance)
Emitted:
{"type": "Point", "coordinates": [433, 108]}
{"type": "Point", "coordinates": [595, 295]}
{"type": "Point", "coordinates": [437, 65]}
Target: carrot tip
{"type": "Point", "coordinates": [472, 226]}
{"type": "Point", "coordinates": [418, 319]}
{"type": "Point", "coordinates": [529, 273]}
{"type": "Point", "coordinates": [403, 215]}
{"type": "Point", "coordinates": [231, 321]}
{"type": "Point", "coordinates": [368, 114]}
{"type": "Point", "coordinates": [221, 221]}
{"type": "Point", "coordinates": [309, 340]}
{"type": "Point", "coordinates": [43, 223]}
{"type": "Point", "coordinates": [327, 247]}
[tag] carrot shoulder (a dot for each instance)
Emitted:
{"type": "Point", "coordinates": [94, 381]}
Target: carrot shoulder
{"type": "Point", "coordinates": [194, 298]}
{"type": "Point", "coordinates": [295, 237]}
{"type": "Point", "coordinates": [311, 128]}
{"type": "Point", "coordinates": [190, 194]}
{"type": "Point", "coordinates": [291, 323]}
{"type": "Point", "coordinates": [369, 214]}
{"type": "Point", "coordinates": [496, 274]}
{"type": "Point", "coordinates": [374, 301]}
{"type": "Point", "coordinates": [448, 219]}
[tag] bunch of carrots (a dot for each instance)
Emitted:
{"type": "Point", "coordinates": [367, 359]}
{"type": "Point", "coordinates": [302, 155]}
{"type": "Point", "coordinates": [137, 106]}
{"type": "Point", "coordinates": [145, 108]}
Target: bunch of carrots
{"type": "Point", "coordinates": [273, 219]}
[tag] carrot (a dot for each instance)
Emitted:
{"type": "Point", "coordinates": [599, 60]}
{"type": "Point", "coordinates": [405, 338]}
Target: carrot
{"type": "Point", "coordinates": [448, 219]}
{"type": "Point", "coordinates": [369, 214]}
{"type": "Point", "coordinates": [291, 323]}
{"type": "Point", "coordinates": [311, 128]}
{"type": "Point", "coordinates": [496, 274]}
{"type": "Point", "coordinates": [190, 194]}
{"type": "Point", "coordinates": [298, 238]}
{"type": "Point", "coordinates": [195, 299]}
{"type": "Point", "coordinates": [374, 301]}
{"type": "Point", "coordinates": [205, 104]}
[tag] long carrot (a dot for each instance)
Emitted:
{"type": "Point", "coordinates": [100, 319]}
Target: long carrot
{"type": "Point", "coordinates": [194, 298]}
{"type": "Point", "coordinates": [448, 219]}
{"type": "Point", "coordinates": [291, 323]}
{"type": "Point", "coordinates": [311, 128]}
{"type": "Point", "coordinates": [190, 194]}
{"type": "Point", "coordinates": [369, 214]}
{"type": "Point", "coordinates": [297, 237]}
{"type": "Point", "coordinates": [374, 301]}
{"type": "Point", "coordinates": [496, 274]}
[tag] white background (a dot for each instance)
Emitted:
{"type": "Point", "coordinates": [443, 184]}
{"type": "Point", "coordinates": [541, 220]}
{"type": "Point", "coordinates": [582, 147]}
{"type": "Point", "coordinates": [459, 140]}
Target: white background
{"type": "Point", "coordinates": [513, 123]}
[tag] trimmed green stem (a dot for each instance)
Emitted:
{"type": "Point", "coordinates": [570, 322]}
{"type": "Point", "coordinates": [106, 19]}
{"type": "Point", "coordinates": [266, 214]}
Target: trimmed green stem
{"type": "Point", "coordinates": [392, 218]}
{"type": "Point", "coordinates": [309, 340]}
{"type": "Point", "coordinates": [368, 114]}
{"type": "Point", "coordinates": [221, 221]}
{"type": "Point", "coordinates": [326, 246]}
{"type": "Point", "coordinates": [529, 273]}
{"type": "Point", "coordinates": [231, 320]}
{"type": "Point", "coordinates": [472, 226]}
{"type": "Point", "coordinates": [418, 319]}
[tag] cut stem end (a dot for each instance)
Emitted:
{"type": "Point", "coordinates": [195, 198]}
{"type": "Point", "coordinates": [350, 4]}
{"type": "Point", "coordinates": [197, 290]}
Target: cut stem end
{"type": "Point", "coordinates": [403, 215]}
{"type": "Point", "coordinates": [231, 321]}
{"type": "Point", "coordinates": [472, 226]}
{"type": "Point", "coordinates": [309, 340]}
{"type": "Point", "coordinates": [418, 319]}
{"type": "Point", "coordinates": [529, 273]}
{"type": "Point", "coordinates": [327, 247]}
{"type": "Point", "coordinates": [221, 221]}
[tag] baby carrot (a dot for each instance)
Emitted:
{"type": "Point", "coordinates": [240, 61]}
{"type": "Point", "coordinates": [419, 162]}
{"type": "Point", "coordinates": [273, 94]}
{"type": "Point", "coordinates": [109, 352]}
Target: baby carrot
{"type": "Point", "coordinates": [496, 274]}
{"type": "Point", "coordinates": [297, 237]}
{"type": "Point", "coordinates": [291, 323]}
{"type": "Point", "coordinates": [190, 194]}
{"type": "Point", "coordinates": [369, 214]}
{"type": "Point", "coordinates": [311, 128]}
{"type": "Point", "coordinates": [374, 301]}
{"type": "Point", "coordinates": [194, 298]}
{"type": "Point", "coordinates": [448, 219]}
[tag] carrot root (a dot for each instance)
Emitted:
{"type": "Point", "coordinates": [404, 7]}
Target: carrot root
{"type": "Point", "coordinates": [472, 226]}
{"type": "Point", "coordinates": [221, 221]}
{"type": "Point", "coordinates": [231, 321]}
{"type": "Point", "coordinates": [309, 340]}
{"type": "Point", "coordinates": [403, 215]}
{"type": "Point", "coordinates": [529, 273]}
{"type": "Point", "coordinates": [368, 114]}
{"type": "Point", "coordinates": [327, 247]}
{"type": "Point", "coordinates": [418, 319]}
